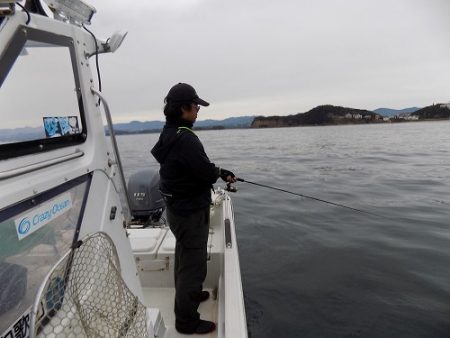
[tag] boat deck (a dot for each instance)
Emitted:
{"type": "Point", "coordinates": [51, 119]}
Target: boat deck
{"type": "Point", "coordinates": [163, 298]}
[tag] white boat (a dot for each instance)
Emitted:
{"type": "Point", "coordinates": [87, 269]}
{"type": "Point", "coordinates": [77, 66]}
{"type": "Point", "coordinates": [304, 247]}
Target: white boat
{"type": "Point", "coordinates": [73, 260]}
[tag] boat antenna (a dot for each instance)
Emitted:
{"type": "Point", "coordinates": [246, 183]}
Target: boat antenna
{"type": "Point", "coordinates": [310, 197]}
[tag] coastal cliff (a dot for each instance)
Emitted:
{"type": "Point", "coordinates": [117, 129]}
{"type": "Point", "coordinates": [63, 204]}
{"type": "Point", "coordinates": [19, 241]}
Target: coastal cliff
{"type": "Point", "coordinates": [321, 115]}
{"type": "Point", "coordinates": [433, 112]}
{"type": "Point", "coordinates": [336, 115]}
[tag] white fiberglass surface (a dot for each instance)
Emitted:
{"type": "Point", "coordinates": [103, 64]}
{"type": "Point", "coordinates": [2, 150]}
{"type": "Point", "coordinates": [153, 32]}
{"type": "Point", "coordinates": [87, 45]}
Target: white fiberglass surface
{"type": "Point", "coordinates": [163, 299]}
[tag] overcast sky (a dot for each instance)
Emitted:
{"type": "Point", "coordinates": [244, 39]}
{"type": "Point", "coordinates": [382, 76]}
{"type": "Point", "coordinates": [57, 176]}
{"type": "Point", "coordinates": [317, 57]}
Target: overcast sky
{"type": "Point", "coordinates": [259, 57]}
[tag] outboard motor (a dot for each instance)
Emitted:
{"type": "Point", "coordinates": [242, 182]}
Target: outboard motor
{"type": "Point", "coordinates": [146, 202]}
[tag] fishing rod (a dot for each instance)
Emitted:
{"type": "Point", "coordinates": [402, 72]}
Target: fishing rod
{"type": "Point", "coordinates": [310, 197]}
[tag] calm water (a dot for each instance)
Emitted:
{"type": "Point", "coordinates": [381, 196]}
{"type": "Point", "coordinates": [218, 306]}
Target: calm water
{"type": "Point", "coordinates": [314, 270]}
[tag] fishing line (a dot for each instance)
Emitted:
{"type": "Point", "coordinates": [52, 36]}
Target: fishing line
{"type": "Point", "coordinates": [310, 197]}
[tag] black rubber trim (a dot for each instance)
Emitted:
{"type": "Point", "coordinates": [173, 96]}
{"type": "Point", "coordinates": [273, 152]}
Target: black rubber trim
{"type": "Point", "coordinates": [31, 202]}
{"type": "Point", "coordinates": [7, 60]}
{"type": "Point", "coordinates": [228, 242]}
{"type": "Point", "coordinates": [12, 51]}
{"type": "Point", "coordinates": [83, 207]}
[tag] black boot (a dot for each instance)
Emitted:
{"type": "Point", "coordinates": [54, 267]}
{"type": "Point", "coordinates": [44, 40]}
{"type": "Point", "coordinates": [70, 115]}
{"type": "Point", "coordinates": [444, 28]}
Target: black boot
{"type": "Point", "coordinates": [203, 327]}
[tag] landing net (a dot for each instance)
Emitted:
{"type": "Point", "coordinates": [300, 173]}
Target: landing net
{"type": "Point", "coordinates": [85, 296]}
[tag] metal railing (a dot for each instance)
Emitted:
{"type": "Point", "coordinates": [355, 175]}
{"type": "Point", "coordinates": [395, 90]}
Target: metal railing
{"type": "Point", "coordinates": [115, 149]}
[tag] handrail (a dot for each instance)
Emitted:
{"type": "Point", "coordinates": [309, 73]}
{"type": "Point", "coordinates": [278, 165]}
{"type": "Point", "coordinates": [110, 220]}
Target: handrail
{"type": "Point", "coordinates": [116, 150]}
{"type": "Point", "coordinates": [39, 165]}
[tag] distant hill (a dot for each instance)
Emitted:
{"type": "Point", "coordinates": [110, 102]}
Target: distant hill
{"type": "Point", "coordinates": [136, 126]}
{"type": "Point", "coordinates": [231, 122]}
{"type": "Point", "coordinates": [321, 115]}
{"type": "Point", "coordinates": [435, 111]}
{"type": "Point", "coordinates": [18, 134]}
{"type": "Point", "coordinates": [32, 133]}
{"type": "Point", "coordinates": [388, 112]}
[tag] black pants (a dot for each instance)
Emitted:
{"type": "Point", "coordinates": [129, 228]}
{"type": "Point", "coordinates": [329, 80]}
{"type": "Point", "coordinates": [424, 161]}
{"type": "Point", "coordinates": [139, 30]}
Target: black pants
{"type": "Point", "coordinates": [191, 233]}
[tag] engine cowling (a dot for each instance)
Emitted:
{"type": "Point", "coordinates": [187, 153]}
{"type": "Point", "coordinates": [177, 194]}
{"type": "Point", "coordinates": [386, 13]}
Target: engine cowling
{"type": "Point", "coordinates": [146, 202]}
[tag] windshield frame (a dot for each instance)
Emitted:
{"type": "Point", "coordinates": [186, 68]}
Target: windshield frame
{"type": "Point", "coordinates": [18, 41]}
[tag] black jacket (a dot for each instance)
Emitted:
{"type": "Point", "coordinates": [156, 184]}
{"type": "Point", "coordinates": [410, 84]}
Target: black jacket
{"type": "Point", "coordinates": [186, 172]}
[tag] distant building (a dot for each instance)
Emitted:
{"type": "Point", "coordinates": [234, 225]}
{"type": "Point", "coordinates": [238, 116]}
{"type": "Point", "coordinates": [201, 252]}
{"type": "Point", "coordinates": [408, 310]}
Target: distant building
{"type": "Point", "coordinates": [386, 119]}
{"type": "Point", "coordinates": [357, 116]}
{"type": "Point", "coordinates": [367, 117]}
{"type": "Point", "coordinates": [348, 116]}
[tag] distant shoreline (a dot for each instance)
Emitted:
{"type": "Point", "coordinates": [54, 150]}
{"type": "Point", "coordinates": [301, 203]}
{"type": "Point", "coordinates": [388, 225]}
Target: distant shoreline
{"type": "Point", "coordinates": [300, 126]}
{"type": "Point", "coordinates": [338, 115]}
{"type": "Point", "coordinates": [354, 124]}
{"type": "Point", "coordinates": [324, 115]}
{"type": "Point", "coordinates": [156, 131]}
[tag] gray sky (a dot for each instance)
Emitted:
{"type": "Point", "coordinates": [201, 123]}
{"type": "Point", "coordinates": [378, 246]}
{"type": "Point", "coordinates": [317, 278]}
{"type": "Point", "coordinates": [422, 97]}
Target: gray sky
{"type": "Point", "coordinates": [259, 57]}
{"type": "Point", "coordinates": [276, 57]}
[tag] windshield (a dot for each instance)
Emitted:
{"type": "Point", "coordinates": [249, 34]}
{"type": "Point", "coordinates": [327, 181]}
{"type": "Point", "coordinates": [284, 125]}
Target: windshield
{"type": "Point", "coordinates": [38, 98]}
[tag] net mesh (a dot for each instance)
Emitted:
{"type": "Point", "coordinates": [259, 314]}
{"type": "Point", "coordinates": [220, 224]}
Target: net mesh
{"type": "Point", "coordinates": [85, 296]}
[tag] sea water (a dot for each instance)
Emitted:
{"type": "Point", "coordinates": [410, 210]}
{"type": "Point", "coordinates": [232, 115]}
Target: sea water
{"type": "Point", "coordinates": [315, 270]}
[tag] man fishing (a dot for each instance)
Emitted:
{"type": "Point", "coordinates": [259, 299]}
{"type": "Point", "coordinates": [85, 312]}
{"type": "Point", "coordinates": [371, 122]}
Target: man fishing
{"type": "Point", "coordinates": [186, 179]}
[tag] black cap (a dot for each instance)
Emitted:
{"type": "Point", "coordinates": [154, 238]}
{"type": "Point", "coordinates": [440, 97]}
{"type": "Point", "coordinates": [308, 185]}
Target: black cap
{"type": "Point", "coordinates": [182, 92]}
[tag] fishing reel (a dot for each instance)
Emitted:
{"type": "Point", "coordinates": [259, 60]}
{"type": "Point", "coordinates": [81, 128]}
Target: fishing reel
{"type": "Point", "coordinates": [230, 188]}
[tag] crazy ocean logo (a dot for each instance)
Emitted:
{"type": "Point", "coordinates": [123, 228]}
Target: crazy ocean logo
{"type": "Point", "coordinates": [41, 216]}
{"type": "Point", "coordinates": [24, 226]}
